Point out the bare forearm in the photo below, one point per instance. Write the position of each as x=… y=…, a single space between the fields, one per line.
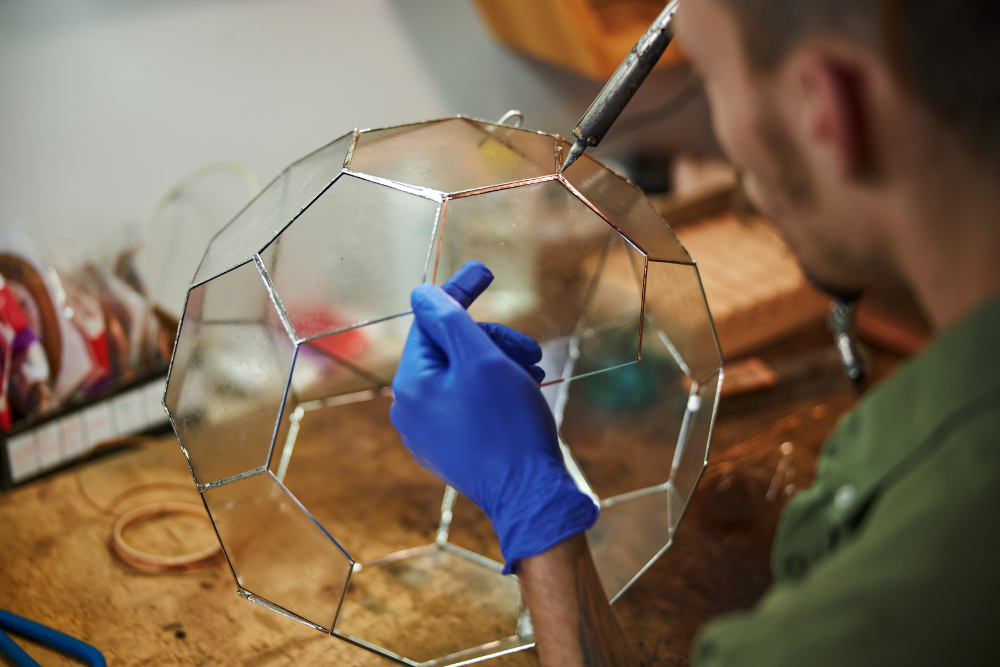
x=573 y=622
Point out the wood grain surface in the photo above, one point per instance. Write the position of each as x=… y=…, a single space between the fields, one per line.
x=56 y=566
x=753 y=284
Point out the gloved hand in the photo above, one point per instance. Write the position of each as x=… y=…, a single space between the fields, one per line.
x=469 y=410
x=523 y=349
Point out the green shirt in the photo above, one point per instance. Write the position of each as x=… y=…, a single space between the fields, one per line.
x=893 y=556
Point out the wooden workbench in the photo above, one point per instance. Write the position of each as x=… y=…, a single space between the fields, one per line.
x=56 y=566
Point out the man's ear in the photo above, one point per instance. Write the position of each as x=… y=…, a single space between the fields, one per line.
x=834 y=124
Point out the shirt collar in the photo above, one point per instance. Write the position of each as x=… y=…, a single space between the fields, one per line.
x=902 y=415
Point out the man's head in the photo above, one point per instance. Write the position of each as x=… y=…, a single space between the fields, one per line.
x=844 y=113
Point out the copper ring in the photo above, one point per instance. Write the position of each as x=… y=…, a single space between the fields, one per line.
x=151 y=561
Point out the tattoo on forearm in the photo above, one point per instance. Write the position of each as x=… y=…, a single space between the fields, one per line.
x=573 y=622
x=602 y=643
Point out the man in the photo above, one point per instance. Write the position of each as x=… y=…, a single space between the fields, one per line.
x=869 y=132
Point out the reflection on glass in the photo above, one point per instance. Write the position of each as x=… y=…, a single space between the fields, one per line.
x=454 y=155
x=626 y=208
x=228 y=376
x=334 y=267
x=273 y=208
x=548 y=252
x=350 y=361
x=278 y=552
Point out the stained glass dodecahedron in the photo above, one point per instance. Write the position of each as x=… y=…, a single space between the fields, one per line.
x=293 y=327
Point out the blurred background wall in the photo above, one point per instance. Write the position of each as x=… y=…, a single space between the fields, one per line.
x=106 y=103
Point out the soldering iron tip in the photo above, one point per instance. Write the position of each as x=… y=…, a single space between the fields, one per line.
x=574 y=152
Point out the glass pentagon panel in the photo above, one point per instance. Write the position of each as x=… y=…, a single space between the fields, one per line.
x=609 y=327
x=676 y=302
x=622 y=425
x=350 y=468
x=626 y=207
x=545 y=249
x=228 y=375
x=272 y=209
x=318 y=380
x=339 y=369
x=277 y=551
x=430 y=604
x=352 y=257
x=633 y=530
x=354 y=360
x=454 y=155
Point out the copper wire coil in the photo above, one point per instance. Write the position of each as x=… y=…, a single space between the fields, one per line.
x=153 y=562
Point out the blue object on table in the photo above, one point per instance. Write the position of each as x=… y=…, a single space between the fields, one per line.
x=45 y=635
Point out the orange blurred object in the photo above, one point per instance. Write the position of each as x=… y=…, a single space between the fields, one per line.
x=590 y=37
x=344 y=346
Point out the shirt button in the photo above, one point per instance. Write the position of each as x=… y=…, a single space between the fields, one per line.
x=845 y=496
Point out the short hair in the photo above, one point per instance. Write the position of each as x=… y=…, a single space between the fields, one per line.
x=948 y=51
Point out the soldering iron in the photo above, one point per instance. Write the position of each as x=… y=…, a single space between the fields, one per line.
x=622 y=85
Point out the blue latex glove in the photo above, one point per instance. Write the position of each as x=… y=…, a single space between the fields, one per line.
x=523 y=349
x=470 y=411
